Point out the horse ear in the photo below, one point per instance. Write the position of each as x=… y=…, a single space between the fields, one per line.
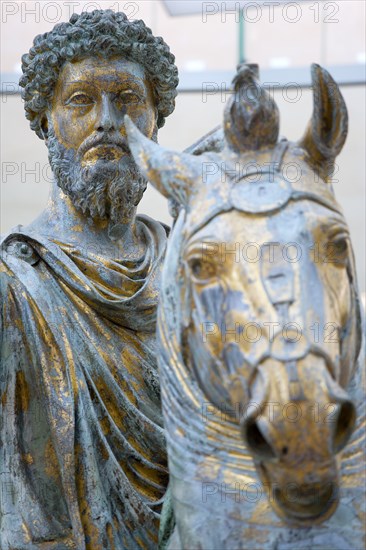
x=251 y=117
x=172 y=174
x=327 y=130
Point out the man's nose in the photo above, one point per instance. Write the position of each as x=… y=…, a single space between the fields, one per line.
x=107 y=119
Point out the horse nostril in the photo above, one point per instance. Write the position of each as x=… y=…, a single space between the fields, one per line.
x=344 y=425
x=256 y=441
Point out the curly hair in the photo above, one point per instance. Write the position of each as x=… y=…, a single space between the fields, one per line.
x=103 y=33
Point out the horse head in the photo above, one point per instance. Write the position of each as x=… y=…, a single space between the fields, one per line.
x=266 y=307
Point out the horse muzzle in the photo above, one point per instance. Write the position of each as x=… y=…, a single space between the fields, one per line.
x=305 y=504
x=299 y=421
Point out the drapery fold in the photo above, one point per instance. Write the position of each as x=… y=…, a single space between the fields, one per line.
x=83 y=450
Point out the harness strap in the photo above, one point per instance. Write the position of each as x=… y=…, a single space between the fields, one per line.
x=278 y=154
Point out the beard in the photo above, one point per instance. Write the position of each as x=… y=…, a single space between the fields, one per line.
x=105 y=190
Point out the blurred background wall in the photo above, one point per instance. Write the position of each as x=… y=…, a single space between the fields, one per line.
x=284 y=38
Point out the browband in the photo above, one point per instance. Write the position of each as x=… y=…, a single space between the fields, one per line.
x=270 y=191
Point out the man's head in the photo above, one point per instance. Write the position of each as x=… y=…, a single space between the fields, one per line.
x=79 y=81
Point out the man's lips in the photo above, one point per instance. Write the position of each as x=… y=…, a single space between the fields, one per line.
x=104 y=151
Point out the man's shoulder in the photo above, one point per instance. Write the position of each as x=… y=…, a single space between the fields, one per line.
x=27 y=283
x=154 y=224
x=166 y=228
x=17 y=245
x=18 y=258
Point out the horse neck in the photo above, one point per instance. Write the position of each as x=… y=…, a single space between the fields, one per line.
x=196 y=429
x=353 y=456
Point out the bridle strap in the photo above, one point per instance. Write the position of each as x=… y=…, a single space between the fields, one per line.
x=278 y=154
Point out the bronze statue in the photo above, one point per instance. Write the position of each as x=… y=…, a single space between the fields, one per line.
x=265 y=418
x=83 y=458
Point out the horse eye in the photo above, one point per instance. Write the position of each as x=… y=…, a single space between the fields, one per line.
x=201 y=269
x=337 y=251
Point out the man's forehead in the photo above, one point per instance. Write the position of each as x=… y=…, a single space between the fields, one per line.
x=101 y=69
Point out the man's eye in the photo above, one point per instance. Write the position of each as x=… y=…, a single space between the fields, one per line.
x=127 y=98
x=202 y=270
x=80 y=99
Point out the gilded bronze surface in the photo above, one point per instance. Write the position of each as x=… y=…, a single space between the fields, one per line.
x=83 y=453
x=265 y=417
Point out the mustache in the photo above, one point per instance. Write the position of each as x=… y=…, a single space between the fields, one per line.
x=103 y=139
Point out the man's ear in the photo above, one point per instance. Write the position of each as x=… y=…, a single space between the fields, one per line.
x=44 y=128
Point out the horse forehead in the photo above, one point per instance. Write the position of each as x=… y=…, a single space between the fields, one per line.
x=254 y=184
x=301 y=220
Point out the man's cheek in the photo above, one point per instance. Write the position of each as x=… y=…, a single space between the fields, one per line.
x=73 y=127
x=146 y=123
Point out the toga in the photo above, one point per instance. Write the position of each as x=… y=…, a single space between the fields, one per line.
x=82 y=457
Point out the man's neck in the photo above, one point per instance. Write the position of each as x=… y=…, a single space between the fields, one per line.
x=61 y=221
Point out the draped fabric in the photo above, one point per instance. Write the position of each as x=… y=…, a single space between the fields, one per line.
x=83 y=460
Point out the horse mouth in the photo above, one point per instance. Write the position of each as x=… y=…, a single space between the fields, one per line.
x=301 y=504
x=306 y=504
